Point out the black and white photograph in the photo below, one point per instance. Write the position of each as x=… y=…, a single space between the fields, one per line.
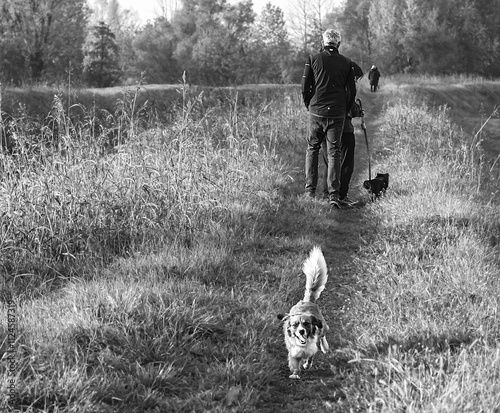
x=250 y=206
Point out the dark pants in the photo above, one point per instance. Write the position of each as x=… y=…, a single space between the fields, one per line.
x=329 y=130
x=347 y=145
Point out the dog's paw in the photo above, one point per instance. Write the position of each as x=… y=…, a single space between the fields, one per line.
x=307 y=363
x=295 y=376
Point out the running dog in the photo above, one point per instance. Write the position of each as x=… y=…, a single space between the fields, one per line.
x=304 y=326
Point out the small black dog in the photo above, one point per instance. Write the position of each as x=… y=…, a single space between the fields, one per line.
x=378 y=185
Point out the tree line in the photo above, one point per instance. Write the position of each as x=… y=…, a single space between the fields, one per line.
x=217 y=42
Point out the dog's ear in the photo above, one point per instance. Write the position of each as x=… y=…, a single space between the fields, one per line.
x=316 y=322
x=283 y=317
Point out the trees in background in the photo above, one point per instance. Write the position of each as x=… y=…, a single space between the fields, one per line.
x=425 y=36
x=269 y=49
x=220 y=42
x=307 y=18
x=154 y=46
x=100 y=64
x=212 y=38
x=40 y=37
x=167 y=8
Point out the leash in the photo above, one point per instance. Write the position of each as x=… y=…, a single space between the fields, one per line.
x=363 y=126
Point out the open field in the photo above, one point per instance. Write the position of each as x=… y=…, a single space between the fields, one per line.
x=145 y=273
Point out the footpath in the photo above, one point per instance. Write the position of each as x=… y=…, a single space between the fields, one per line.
x=339 y=233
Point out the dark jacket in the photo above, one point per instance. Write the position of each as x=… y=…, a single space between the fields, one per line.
x=328 y=86
x=374 y=75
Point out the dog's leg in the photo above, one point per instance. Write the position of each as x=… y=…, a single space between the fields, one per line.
x=294 y=364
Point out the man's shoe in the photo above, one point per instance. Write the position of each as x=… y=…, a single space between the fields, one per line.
x=347 y=202
x=334 y=201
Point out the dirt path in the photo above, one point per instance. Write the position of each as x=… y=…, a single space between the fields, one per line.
x=340 y=233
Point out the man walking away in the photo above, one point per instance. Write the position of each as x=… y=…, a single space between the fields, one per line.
x=373 y=77
x=347 y=146
x=328 y=91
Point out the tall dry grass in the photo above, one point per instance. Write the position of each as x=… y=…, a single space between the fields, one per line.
x=71 y=198
x=146 y=275
x=120 y=259
x=424 y=312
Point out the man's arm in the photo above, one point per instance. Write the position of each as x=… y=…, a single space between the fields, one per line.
x=307 y=83
x=351 y=89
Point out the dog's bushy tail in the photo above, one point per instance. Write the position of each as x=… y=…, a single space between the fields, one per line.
x=314 y=268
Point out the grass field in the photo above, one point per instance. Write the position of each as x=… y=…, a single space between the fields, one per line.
x=145 y=273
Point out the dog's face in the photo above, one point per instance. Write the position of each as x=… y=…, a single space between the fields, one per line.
x=300 y=329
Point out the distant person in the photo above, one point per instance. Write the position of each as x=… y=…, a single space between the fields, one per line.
x=328 y=91
x=347 y=145
x=373 y=77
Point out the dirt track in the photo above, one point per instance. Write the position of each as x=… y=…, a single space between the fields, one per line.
x=339 y=232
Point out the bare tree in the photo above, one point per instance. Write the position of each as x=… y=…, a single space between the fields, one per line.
x=306 y=21
x=167 y=8
x=100 y=10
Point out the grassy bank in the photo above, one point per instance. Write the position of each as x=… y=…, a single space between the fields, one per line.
x=148 y=277
x=424 y=317
x=122 y=264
